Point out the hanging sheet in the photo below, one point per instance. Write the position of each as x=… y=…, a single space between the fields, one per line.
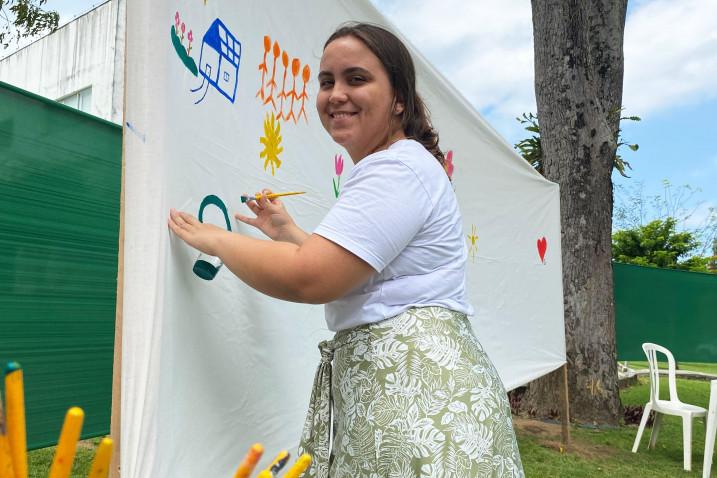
x=220 y=101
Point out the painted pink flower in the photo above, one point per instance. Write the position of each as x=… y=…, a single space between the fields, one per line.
x=183 y=28
x=176 y=19
x=338 y=164
x=190 y=36
x=449 y=164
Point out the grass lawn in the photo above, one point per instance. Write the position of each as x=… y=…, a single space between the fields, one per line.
x=39 y=461
x=594 y=452
x=607 y=452
x=693 y=367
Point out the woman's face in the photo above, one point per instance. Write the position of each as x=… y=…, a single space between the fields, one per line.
x=355 y=100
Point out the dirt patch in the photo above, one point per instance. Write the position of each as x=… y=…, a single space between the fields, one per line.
x=88 y=444
x=548 y=436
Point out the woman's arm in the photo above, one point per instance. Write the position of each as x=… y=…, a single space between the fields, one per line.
x=316 y=272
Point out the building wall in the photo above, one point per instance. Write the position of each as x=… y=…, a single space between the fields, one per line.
x=80 y=54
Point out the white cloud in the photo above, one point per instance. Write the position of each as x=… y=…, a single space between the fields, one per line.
x=485 y=48
x=700 y=215
x=670 y=54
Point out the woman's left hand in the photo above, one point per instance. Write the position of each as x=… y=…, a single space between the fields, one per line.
x=203 y=237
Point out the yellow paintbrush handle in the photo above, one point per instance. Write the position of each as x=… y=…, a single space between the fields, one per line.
x=66 y=447
x=278 y=195
x=101 y=464
x=6 y=469
x=299 y=467
x=250 y=461
x=15 y=405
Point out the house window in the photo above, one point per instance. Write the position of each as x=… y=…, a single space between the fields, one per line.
x=82 y=100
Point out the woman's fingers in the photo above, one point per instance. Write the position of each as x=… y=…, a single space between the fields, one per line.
x=245 y=219
x=264 y=200
x=196 y=234
x=175 y=220
x=179 y=225
x=182 y=223
x=188 y=218
x=254 y=207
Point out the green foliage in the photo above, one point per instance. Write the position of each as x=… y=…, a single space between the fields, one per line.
x=620 y=164
x=696 y=264
x=531 y=148
x=633 y=209
x=657 y=244
x=25 y=18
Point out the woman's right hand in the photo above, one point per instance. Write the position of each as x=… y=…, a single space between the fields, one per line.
x=273 y=219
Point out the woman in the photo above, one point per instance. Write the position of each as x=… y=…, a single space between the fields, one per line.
x=413 y=393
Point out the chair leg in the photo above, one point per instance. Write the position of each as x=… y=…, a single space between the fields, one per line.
x=687 y=439
x=709 y=446
x=641 y=428
x=655 y=430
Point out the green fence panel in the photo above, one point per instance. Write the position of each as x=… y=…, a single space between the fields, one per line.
x=59 y=222
x=676 y=309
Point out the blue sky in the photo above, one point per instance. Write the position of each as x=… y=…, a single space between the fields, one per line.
x=485 y=49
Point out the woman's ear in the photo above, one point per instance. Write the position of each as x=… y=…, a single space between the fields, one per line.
x=398 y=108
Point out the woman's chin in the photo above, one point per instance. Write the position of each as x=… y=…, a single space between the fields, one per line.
x=340 y=138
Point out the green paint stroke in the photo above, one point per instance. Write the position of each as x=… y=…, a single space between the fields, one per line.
x=182 y=52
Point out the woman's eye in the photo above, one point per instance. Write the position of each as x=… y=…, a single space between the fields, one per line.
x=357 y=79
x=325 y=83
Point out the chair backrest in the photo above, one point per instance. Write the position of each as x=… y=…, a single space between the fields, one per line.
x=651 y=351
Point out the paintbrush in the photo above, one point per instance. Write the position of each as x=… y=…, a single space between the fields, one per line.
x=256 y=197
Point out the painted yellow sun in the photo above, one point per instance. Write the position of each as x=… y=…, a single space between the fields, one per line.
x=271 y=141
x=473 y=247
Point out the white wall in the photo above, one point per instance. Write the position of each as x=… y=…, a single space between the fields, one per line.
x=80 y=54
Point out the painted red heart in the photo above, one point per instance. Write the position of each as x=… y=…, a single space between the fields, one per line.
x=542 y=247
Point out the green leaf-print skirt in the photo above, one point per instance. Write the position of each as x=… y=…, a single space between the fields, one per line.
x=413 y=396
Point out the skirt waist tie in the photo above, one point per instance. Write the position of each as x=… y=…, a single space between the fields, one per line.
x=316 y=436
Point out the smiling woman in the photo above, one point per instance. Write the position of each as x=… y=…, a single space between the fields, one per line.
x=410 y=389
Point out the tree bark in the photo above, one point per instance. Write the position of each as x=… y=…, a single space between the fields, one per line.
x=578 y=85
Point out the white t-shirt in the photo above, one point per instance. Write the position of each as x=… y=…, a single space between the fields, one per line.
x=398 y=212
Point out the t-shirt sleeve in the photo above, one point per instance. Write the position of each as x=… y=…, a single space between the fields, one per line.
x=380 y=210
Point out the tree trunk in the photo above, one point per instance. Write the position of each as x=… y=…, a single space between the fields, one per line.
x=578 y=86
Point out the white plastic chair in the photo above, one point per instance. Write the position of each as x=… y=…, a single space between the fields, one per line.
x=673 y=406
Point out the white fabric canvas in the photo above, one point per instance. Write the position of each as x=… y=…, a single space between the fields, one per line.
x=210 y=367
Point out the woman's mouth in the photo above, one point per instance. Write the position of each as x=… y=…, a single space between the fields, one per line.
x=342 y=114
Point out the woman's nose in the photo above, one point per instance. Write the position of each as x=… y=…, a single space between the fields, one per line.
x=338 y=94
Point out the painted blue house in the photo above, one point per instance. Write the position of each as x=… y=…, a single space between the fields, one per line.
x=219 y=59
